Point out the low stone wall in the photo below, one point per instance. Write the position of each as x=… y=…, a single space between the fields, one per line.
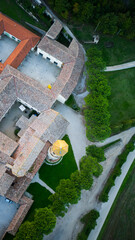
x=20 y=215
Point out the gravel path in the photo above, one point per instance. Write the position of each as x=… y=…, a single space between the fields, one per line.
x=76 y=130
x=120 y=67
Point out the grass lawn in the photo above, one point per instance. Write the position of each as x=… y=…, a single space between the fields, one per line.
x=11 y=9
x=51 y=175
x=122 y=99
x=40 y=197
x=122 y=50
x=120 y=221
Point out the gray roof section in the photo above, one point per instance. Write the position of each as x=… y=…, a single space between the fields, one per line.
x=54 y=30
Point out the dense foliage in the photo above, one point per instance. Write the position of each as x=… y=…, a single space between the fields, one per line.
x=69 y=190
x=117 y=170
x=89 y=221
x=96 y=111
x=111 y=17
x=44 y=222
x=96 y=152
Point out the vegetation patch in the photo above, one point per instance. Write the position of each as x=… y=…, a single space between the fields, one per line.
x=17 y=13
x=89 y=221
x=121 y=215
x=116 y=170
x=96 y=112
x=121 y=100
x=40 y=197
x=51 y=175
x=72 y=103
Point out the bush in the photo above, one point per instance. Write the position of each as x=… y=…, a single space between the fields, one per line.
x=96 y=152
x=89 y=221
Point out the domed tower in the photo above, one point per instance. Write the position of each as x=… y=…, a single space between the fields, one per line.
x=57 y=151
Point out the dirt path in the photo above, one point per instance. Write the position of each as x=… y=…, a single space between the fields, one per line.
x=120 y=67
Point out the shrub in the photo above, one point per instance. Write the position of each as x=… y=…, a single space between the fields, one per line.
x=89 y=221
x=96 y=152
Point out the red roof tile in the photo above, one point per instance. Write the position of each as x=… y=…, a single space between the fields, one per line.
x=28 y=41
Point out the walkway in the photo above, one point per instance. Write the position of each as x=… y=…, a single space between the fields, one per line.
x=104 y=208
x=120 y=67
x=43 y=184
x=75 y=130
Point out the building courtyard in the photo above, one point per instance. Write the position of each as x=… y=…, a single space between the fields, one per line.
x=7 y=46
x=40 y=69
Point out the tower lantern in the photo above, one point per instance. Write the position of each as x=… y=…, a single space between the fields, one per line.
x=57 y=151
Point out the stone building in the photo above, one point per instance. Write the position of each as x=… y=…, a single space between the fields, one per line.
x=21 y=159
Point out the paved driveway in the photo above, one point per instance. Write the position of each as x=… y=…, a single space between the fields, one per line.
x=7 y=212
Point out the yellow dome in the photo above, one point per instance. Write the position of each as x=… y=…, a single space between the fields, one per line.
x=60 y=148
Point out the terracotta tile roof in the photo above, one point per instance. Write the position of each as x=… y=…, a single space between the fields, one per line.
x=4 y=158
x=55 y=49
x=1 y=27
x=5 y=180
x=7 y=145
x=48 y=126
x=15 y=84
x=73 y=63
x=7 y=95
x=54 y=30
x=27 y=38
x=16 y=29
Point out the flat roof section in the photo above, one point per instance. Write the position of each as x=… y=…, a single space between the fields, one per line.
x=40 y=69
x=7 y=46
x=8 y=123
x=7 y=212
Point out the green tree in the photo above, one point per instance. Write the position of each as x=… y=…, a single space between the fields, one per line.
x=44 y=220
x=89 y=165
x=96 y=152
x=67 y=191
x=61 y=6
x=109 y=24
x=87 y=11
x=28 y=231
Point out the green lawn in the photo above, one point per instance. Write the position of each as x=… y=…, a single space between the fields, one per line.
x=11 y=9
x=123 y=50
x=40 y=197
x=51 y=175
x=120 y=221
x=122 y=99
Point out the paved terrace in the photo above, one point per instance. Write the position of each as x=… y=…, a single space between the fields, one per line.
x=7 y=46
x=40 y=69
